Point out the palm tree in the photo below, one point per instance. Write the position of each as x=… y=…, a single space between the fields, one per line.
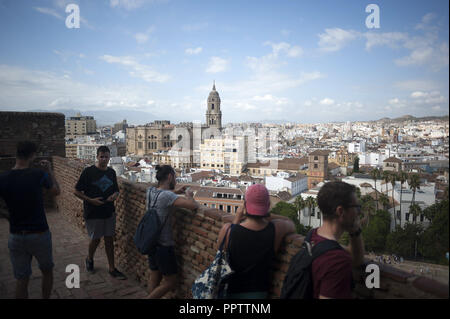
x=386 y=178
x=314 y=205
x=367 y=206
x=310 y=204
x=384 y=200
x=375 y=174
x=393 y=179
x=415 y=211
x=402 y=177
x=300 y=205
x=358 y=193
x=414 y=185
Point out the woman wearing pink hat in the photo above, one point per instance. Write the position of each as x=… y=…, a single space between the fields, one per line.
x=253 y=244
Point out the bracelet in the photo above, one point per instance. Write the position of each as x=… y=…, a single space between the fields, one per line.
x=356 y=233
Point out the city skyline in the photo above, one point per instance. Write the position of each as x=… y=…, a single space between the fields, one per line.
x=283 y=61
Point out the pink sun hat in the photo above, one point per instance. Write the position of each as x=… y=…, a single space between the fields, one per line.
x=257 y=201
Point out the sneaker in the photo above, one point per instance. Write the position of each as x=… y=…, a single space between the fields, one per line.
x=117 y=274
x=89 y=265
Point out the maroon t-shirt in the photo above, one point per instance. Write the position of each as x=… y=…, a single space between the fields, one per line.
x=332 y=272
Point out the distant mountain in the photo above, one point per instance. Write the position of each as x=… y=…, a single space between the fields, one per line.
x=412 y=118
x=109 y=117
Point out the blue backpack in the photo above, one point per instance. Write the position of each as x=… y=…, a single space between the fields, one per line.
x=148 y=230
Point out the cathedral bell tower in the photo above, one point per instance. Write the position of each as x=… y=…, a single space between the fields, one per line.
x=213 y=113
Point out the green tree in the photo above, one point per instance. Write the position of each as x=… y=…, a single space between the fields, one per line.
x=285 y=209
x=403 y=241
x=376 y=231
x=310 y=203
x=356 y=165
x=386 y=178
x=358 y=193
x=415 y=211
x=290 y=211
x=434 y=242
x=299 y=204
x=393 y=180
x=368 y=207
x=402 y=177
x=414 y=185
x=384 y=201
x=375 y=174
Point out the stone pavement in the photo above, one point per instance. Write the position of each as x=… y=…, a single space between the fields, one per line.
x=70 y=246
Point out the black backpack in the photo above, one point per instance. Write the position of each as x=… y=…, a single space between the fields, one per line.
x=148 y=230
x=298 y=282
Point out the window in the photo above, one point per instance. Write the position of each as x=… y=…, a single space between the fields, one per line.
x=221 y=207
x=139 y=144
x=316 y=158
x=316 y=166
x=407 y=216
x=212 y=106
x=228 y=209
x=213 y=205
x=421 y=217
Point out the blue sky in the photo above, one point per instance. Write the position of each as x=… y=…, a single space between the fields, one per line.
x=299 y=61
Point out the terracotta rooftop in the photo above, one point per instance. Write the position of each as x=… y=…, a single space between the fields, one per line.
x=320 y=153
x=392 y=160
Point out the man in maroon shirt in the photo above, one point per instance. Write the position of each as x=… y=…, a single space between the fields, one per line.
x=332 y=271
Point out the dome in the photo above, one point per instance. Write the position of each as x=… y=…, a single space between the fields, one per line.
x=214 y=93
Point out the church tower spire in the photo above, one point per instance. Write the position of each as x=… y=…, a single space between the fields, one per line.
x=213 y=112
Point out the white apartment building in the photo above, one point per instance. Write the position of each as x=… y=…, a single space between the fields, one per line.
x=425 y=197
x=228 y=155
x=80 y=125
x=357 y=147
x=294 y=184
x=89 y=151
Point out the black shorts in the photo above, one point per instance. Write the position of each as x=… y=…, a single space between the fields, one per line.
x=164 y=260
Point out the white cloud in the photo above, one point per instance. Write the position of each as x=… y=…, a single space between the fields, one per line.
x=50 y=12
x=436 y=108
x=216 y=65
x=391 y=39
x=327 y=101
x=417 y=85
x=191 y=51
x=335 y=39
x=142 y=37
x=136 y=69
x=417 y=57
x=194 y=26
x=425 y=22
x=418 y=94
x=50 y=90
x=290 y=51
x=131 y=4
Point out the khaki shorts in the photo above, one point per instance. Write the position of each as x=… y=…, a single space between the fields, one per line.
x=98 y=228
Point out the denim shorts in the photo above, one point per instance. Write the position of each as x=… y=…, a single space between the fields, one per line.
x=22 y=248
x=164 y=260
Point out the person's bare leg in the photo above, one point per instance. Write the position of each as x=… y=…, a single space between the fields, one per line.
x=109 y=249
x=168 y=283
x=154 y=280
x=93 y=244
x=22 y=288
x=47 y=283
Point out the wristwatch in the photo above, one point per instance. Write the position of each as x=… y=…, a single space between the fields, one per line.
x=356 y=233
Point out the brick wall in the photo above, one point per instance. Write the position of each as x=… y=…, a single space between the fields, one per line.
x=196 y=234
x=47 y=130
